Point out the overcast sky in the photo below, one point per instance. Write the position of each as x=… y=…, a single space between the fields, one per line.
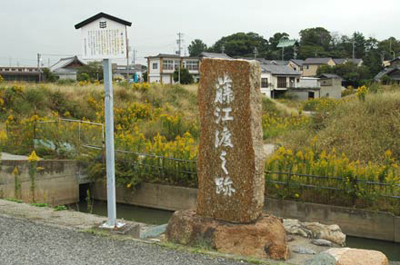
x=29 y=27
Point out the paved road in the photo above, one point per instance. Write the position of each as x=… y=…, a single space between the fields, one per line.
x=25 y=242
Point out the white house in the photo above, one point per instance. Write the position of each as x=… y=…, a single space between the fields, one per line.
x=160 y=68
x=276 y=79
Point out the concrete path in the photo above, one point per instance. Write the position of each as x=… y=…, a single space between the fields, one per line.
x=41 y=235
x=26 y=242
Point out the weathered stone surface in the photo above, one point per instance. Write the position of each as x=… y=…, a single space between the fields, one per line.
x=322 y=242
x=231 y=156
x=352 y=256
x=332 y=233
x=303 y=250
x=322 y=259
x=265 y=238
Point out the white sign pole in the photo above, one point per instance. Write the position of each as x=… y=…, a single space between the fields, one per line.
x=110 y=155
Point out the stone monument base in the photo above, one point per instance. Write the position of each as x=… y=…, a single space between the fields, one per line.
x=265 y=238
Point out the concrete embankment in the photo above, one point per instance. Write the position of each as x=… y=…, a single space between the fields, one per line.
x=354 y=222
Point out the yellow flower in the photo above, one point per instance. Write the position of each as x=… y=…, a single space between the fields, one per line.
x=15 y=172
x=33 y=157
x=39 y=168
x=128 y=185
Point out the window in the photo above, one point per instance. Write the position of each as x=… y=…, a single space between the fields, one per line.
x=311 y=95
x=281 y=82
x=155 y=66
x=307 y=67
x=192 y=65
x=168 y=65
x=264 y=82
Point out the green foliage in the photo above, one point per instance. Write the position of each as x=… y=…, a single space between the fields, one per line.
x=196 y=47
x=37 y=204
x=49 y=76
x=91 y=72
x=353 y=74
x=60 y=208
x=241 y=44
x=13 y=200
x=1 y=79
x=186 y=77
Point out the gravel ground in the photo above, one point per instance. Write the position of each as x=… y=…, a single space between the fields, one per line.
x=26 y=242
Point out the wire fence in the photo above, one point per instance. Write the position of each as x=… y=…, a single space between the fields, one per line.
x=81 y=136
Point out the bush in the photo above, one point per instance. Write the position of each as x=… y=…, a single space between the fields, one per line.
x=186 y=77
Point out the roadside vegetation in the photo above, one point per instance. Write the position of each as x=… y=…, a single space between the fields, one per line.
x=349 y=144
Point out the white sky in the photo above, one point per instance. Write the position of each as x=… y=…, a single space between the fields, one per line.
x=29 y=27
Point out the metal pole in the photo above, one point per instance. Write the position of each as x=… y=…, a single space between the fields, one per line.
x=110 y=159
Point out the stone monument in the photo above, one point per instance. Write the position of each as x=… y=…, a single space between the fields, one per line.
x=230 y=170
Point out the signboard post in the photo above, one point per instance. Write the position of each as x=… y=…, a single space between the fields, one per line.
x=105 y=37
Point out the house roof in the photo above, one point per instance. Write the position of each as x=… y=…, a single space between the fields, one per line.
x=345 y=60
x=64 y=62
x=164 y=55
x=317 y=60
x=100 y=15
x=278 y=69
x=387 y=71
x=297 y=62
x=214 y=55
x=329 y=76
x=273 y=62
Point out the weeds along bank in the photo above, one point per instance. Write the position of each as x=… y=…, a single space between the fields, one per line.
x=157 y=127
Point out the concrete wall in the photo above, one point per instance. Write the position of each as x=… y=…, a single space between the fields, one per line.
x=354 y=222
x=151 y=195
x=56 y=184
x=331 y=91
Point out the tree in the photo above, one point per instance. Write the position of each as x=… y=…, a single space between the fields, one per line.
x=350 y=72
x=186 y=77
x=93 y=69
x=48 y=75
x=241 y=45
x=196 y=47
x=316 y=36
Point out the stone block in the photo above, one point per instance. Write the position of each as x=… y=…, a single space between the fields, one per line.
x=231 y=156
x=265 y=238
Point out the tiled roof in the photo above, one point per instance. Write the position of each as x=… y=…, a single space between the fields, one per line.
x=297 y=61
x=317 y=60
x=214 y=55
x=278 y=69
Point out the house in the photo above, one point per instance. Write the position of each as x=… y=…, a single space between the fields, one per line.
x=296 y=65
x=311 y=65
x=67 y=68
x=160 y=68
x=323 y=86
x=390 y=74
x=28 y=74
x=356 y=61
x=276 y=79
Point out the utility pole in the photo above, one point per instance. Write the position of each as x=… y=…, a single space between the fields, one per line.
x=179 y=42
x=134 y=57
x=39 y=58
x=223 y=48
x=354 y=49
x=255 y=52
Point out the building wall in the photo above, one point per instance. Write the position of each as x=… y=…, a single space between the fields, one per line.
x=303 y=94
x=154 y=74
x=56 y=184
x=310 y=70
x=307 y=82
x=331 y=92
x=295 y=67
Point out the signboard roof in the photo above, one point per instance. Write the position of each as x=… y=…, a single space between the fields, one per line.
x=102 y=15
